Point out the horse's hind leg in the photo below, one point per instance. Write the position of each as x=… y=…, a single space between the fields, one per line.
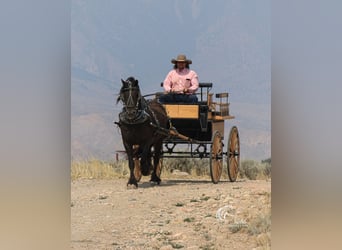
x=132 y=180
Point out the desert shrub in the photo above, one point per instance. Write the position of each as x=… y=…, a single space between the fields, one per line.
x=267 y=169
x=94 y=168
x=192 y=166
x=268 y=160
x=248 y=169
x=254 y=170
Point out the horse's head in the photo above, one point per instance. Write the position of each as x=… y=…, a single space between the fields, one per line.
x=130 y=96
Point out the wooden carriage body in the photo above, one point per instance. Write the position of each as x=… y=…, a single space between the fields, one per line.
x=201 y=128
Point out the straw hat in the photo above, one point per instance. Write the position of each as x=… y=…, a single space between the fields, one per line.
x=181 y=58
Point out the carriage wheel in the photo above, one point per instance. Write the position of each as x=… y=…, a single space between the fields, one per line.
x=216 y=157
x=137 y=169
x=233 y=159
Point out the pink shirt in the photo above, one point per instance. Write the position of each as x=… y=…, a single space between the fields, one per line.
x=177 y=81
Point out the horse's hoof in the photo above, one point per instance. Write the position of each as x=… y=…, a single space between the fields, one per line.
x=131 y=186
x=153 y=183
x=132 y=183
x=155 y=180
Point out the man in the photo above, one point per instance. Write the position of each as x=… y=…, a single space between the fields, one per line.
x=180 y=83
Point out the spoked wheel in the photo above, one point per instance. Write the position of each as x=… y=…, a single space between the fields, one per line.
x=137 y=168
x=216 y=157
x=233 y=154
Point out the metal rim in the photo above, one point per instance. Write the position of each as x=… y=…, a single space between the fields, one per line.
x=233 y=154
x=216 y=157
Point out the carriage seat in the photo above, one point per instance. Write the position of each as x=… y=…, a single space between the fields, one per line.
x=197 y=111
x=189 y=111
x=182 y=111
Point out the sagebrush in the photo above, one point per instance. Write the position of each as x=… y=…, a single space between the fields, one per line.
x=93 y=168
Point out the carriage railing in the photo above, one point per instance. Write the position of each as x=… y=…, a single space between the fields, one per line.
x=204 y=88
x=220 y=106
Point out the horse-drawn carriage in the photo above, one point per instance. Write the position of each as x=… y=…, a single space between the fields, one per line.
x=194 y=130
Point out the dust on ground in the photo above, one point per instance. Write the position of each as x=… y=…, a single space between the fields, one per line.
x=179 y=213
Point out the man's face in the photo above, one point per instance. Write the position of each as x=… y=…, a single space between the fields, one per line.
x=181 y=65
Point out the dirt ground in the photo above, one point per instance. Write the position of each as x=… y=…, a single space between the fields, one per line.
x=180 y=213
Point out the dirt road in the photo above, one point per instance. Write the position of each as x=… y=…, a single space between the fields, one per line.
x=181 y=213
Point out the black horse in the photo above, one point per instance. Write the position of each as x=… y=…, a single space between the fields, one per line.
x=139 y=122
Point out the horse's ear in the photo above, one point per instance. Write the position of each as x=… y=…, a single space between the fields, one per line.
x=123 y=82
x=136 y=81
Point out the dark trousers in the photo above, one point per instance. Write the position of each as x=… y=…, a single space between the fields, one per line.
x=174 y=98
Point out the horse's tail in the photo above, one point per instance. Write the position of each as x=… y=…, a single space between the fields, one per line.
x=146 y=166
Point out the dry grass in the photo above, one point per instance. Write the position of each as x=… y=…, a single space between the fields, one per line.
x=260 y=227
x=96 y=169
x=256 y=224
x=260 y=224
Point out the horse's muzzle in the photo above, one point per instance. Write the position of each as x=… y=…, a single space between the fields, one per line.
x=131 y=113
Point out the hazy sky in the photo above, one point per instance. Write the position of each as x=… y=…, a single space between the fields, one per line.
x=228 y=42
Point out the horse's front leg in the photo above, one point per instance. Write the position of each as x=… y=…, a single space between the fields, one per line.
x=136 y=156
x=155 y=176
x=132 y=180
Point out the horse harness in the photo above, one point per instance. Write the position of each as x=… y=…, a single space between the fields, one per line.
x=142 y=115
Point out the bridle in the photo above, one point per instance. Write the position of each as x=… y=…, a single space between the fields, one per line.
x=130 y=103
x=135 y=113
x=131 y=113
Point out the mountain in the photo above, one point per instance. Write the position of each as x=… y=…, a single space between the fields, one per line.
x=228 y=42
